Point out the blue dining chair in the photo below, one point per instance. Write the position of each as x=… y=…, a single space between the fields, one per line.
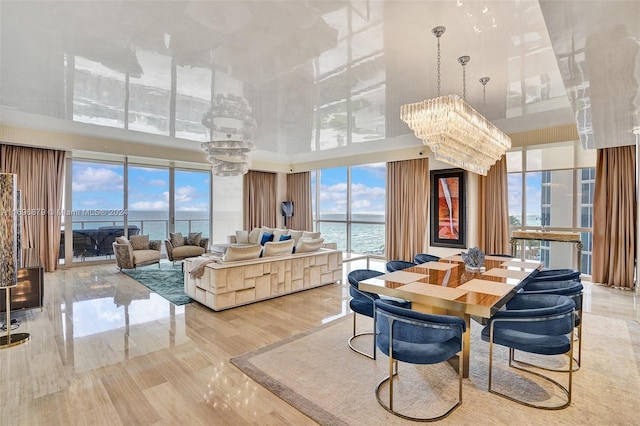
x=558 y=275
x=538 y=324
x=424 y=258
x=398 y=265
x=417 y=338
x=362 y=302
x=572 y=289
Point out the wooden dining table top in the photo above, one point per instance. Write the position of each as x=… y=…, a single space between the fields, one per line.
x=448 y=285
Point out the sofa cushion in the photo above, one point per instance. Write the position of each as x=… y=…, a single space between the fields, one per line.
x=187 y=251
x=278 y=248
x=267 y=229
x=306 y=245
x=277 y=233
x=144 y=256
x=140 y=242
x=296 y=235
x=176 y=239
x=266 y=237
x=194 y=238
x=242 y=237
x=311 y=235
x=249 y=252
x=255 y=236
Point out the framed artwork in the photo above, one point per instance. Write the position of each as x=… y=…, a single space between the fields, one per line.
x=448 y=208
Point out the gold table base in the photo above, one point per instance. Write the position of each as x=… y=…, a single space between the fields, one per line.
x=14 y=339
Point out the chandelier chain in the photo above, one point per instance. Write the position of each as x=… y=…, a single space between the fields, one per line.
x=438 y=66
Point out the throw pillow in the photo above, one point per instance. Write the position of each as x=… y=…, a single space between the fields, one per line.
x=122 y=240
x=277 y=248
x=194 y=238
x=235 y=253
x=312 y=235
x=308 y=245
x=176 y=239
x=140 y=242
x=285 y=238
x=266 y=237
x=242 y=237
x=296 y=235
x=254 y=236
x=267 y=229
x=277 y=233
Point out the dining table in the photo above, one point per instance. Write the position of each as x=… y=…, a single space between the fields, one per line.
x=448 y=287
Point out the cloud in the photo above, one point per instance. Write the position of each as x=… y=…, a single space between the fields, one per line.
x=95 y=179
x=157 y=182
x=149 y=205
x=185 y=194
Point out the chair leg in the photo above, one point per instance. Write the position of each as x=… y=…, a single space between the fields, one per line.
x=566 y=390
x=366 y=333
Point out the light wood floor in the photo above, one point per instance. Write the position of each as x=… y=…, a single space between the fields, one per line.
x=105 y=350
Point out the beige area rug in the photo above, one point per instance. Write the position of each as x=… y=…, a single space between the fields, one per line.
x=319 y=375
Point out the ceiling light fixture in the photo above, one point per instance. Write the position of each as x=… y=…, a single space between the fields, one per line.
x=231 y=116
x=456 y=133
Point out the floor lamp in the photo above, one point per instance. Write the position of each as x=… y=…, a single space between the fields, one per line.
x=9 y=252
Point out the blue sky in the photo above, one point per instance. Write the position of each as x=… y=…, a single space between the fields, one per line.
x=367 y=192
x=99 y=185
x=533 y=193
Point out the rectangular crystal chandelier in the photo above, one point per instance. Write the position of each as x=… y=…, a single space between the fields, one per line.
x=456 y=133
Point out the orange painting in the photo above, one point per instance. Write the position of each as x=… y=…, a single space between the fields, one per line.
x=449 y=208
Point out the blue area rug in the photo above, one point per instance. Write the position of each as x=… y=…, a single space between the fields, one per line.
x=167 y=281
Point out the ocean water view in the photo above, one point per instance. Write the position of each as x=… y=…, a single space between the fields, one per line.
x=365 y=237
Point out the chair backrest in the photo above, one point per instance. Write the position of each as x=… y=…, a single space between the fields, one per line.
x=424 y=258
x=398 y=265
x=543 y=314
x=409 y=326
x=558 y=275
x=357 y=275
x=570 y=288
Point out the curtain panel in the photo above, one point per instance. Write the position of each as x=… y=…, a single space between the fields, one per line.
x=299 y=191
x=259 y=199
x=407 y=208
x=40 y=179
x=493 y=209
x=614 y=217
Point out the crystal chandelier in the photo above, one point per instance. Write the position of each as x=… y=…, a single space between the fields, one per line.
x=456 y=133
x=231 y=116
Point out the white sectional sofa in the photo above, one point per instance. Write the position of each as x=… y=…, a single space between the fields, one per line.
x=228 y=283
x=261 y=236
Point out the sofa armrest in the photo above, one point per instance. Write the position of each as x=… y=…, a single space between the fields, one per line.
x=231 y=239
x=124 y=256
x=154 y=245
x=169 y=247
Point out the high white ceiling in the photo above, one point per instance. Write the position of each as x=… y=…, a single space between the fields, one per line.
x=323 y=78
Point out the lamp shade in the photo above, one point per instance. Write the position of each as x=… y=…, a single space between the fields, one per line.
x=8 y=231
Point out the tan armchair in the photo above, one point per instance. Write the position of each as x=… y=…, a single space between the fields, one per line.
x=179 y=247
x=137 y=252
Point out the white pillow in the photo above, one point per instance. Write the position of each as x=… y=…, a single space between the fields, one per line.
x=242 y=237
x=267 y=229
x=277 y=232
x=307 y=245
x=296 y=235
x=235 y=253
x=311 y=235
x=278 y=248
x=255 y=235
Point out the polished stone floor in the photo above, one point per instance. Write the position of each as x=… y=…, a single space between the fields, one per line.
x=106 y=350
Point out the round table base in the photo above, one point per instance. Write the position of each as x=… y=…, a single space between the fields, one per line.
x=14 y=339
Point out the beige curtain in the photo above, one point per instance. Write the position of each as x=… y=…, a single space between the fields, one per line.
x=40 y=177
x=299 y=191
x=407 y=208
x=614 y=217
x=259 y=200
x=493 y=209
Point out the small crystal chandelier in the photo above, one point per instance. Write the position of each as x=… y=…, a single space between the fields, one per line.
x=230 y=115
x=456 y=133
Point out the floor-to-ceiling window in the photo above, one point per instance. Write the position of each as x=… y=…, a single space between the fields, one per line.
x=349 y=206
x=551 y=188
x=191 y=203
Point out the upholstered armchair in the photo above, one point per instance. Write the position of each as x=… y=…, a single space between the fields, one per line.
x=179 y=247
x=138 y=251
